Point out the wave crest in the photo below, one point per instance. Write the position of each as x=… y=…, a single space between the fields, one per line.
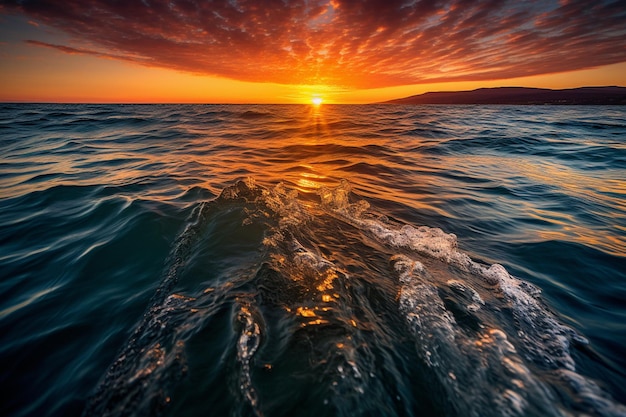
x=318 y=286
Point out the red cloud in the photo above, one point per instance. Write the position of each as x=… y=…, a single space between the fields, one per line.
x=366 y=44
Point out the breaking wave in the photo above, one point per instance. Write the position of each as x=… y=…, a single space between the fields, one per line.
x=271 y=303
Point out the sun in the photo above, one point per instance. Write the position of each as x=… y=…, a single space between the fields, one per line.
x=316 y=101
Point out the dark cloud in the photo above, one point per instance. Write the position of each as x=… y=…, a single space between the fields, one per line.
x=369 y=43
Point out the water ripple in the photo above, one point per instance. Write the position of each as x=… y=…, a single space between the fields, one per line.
x=126 y=232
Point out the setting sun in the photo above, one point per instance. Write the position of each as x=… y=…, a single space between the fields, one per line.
x=317 y=101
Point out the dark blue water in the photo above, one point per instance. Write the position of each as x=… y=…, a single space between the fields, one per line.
x=185 y=260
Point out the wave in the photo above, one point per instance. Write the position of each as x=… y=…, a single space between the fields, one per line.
x=252 y=114
x=307 y=305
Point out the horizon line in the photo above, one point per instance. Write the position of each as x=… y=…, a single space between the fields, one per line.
x=96 y=102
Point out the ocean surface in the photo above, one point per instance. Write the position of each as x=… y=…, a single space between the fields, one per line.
x=188 y=260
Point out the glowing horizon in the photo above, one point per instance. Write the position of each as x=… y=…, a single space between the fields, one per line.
x=257 y=52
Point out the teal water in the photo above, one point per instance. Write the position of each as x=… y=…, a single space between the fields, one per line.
x=184 y=260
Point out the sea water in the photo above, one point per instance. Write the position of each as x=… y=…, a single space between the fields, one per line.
x=185 y=260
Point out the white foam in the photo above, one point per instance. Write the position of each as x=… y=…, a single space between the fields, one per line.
x=466 y=363
x=543 y=339
x=285 y=203
x=467 y=292
x=247 y=344
x=591 y=395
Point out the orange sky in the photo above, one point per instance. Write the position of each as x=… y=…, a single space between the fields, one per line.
x=265 y=52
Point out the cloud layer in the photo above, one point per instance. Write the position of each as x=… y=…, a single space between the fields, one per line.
x=358 y=44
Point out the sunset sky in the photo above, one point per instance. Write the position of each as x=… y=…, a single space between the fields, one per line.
x=282 y=51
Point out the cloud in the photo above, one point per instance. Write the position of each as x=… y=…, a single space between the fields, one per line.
x=359 y=44
x=66 y=49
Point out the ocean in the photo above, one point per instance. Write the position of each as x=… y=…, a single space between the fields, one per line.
x=293 y=260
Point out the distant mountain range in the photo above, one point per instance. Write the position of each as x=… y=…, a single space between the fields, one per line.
x=521 y=95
